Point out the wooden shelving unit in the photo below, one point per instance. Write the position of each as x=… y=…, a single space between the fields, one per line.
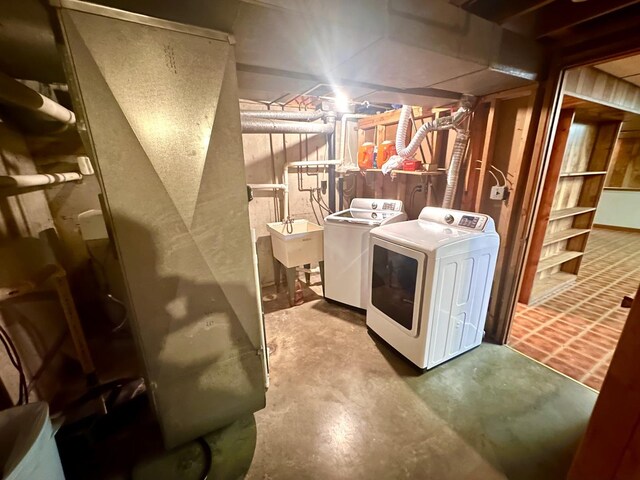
x=577 y=169
x=562 y=235
x=569 y=212
x=556 y=259
x=548 y=285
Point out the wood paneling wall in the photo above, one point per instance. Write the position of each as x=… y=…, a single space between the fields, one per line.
x=625 y=163
x=503 y=133
x=594 y=85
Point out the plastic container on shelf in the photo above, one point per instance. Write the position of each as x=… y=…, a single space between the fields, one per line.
x=385 y=151
x=365 y=155
x=411 y=165
x=28 y=449
x=303 y=245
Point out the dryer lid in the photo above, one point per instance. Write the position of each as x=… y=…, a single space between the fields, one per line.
x=437 y=227
x=421 y=235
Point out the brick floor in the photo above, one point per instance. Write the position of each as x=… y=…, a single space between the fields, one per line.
x=576 y=330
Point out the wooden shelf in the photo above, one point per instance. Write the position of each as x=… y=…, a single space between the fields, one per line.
x=576 y=172
x=550 y=285
x=561 y=235
x=410 y=172
x=569 y=212
x=581 y=174
x=557 y=259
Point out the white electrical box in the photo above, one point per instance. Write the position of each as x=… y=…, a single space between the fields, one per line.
x=498 y=193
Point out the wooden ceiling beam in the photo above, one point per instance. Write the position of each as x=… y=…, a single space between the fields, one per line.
x=559 y=16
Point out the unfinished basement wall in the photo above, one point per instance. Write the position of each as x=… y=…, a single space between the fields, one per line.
x=502 y=137
x=265 y=156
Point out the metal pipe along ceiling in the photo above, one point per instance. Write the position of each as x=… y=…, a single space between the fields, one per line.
x=263 y=125
x=15 y=93
x=306 y=116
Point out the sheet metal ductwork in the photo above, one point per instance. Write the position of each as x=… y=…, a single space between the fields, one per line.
x=396 y=51
x=164 y=134
x=27 y=42
x=382 y=51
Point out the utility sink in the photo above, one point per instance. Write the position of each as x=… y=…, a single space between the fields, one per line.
x=302 y=246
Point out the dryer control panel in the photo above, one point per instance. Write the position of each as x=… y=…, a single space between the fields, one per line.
x=456 y=218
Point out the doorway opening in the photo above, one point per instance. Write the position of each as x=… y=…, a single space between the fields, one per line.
x=584 y=255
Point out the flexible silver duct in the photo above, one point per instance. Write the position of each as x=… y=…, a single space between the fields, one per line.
x=457 y=157
x=442 y=123
x=458 y=121
x=304 y=116
x=263 y=125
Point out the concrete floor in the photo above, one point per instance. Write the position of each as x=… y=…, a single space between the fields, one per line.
x=342 y=404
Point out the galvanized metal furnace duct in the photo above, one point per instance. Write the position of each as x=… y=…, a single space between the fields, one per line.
x=164 y=131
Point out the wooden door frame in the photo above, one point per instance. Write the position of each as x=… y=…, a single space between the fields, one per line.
x=552 y=94
x=549 y=93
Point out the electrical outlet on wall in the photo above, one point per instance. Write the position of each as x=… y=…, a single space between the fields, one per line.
x=498 y=193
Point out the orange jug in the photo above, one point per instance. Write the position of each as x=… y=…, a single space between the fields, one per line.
x=385 y=151
x=365 y=155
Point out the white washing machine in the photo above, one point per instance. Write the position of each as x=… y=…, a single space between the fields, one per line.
x=429 y=283
x=346 y=247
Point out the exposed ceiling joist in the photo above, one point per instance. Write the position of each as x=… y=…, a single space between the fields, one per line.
x=499 y=11
x=561 y=15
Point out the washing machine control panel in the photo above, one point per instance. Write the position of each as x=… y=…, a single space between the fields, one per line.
x=377 y=204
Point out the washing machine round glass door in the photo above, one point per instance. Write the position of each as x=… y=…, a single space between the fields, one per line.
x=397 y=274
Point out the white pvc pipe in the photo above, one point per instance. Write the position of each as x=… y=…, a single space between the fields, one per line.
x=24 y=181
x=285 y=180
x=264 y=351
x=343 y=133
x=15 y=93
x=267 y=186
x=314 y=163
